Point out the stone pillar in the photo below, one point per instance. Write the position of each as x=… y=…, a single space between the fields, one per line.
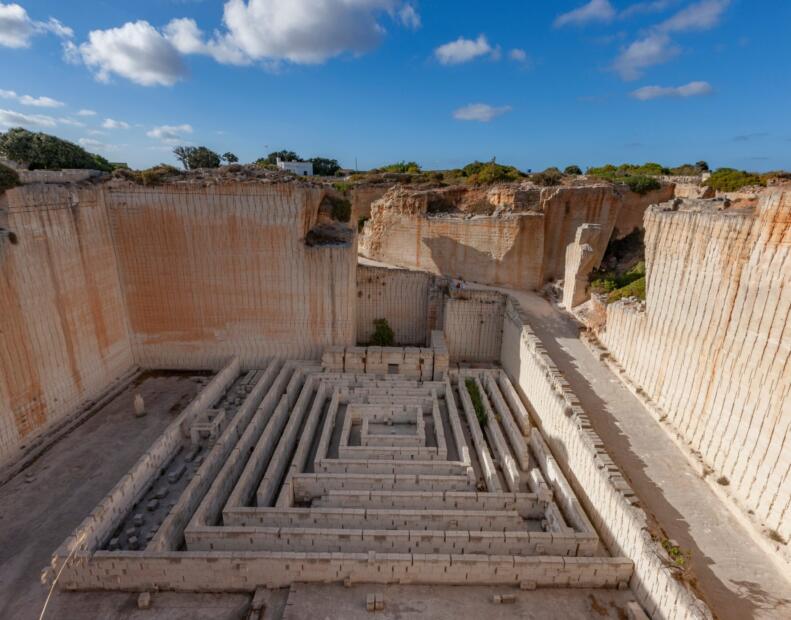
x=580 y=259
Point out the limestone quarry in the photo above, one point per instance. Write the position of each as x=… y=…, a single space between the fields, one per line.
x=196 y=412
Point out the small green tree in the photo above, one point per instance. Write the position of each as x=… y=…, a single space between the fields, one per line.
x=230 y=158
x=281 y=155
x=383 y=334
x=324 y=167
x=194 y=157
x=575 y=170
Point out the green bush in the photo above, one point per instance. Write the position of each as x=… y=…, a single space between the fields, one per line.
x=477 y=401
x=383 y=334
x=8 y=178
x=324 y=167
x=575 y=170
x=403 y=167
x=341 y=209
x=619 y=173
x=272 y=158
x=550 y=177
x=41 y=151
x=479 y=173
x=609 y=282
x=730 y=180
x=642 y=184
x=633 y=289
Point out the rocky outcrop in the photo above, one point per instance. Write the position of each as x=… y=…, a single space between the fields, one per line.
x=580 y=257
x=513 y=235
x=711 y=346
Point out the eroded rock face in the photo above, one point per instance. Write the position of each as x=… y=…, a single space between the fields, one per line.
x=513 y=235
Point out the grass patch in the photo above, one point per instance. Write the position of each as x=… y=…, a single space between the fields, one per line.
x=677 y=554
x=477 y=401
x=633 y=289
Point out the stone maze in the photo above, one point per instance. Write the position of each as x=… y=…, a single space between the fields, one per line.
x=375 y=465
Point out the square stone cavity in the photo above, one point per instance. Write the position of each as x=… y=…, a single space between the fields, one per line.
x=393 y=427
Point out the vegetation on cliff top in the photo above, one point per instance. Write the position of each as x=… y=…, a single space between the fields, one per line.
x=730 y=180
x=8 y=178
x=41 y=151
x=479 y=173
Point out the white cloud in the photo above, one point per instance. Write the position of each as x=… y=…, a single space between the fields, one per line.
x=518 y=55
x=10 y=118
x=38 y=102
x=593 y=11
x=480 y=112
x=136 y=51
x=97 y=146
x=693 y=89
x=304 y=31
x=110 y=123
x=409 y=17
x=86 y=113
x=702 y=15
x=170 y=134
x=187 y=38
x=17 y=28
x=654 y=49
x=641 y=8
x=463 y=50
x=70 y=122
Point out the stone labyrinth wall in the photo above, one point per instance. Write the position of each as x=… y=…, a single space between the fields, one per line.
x=267 y=479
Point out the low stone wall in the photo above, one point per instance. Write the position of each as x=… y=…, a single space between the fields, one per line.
x=606 y=496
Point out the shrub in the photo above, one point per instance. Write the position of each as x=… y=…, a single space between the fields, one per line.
x=194 y=157
x=158 y=174
x=42 y=151
x=610 y=282
x=548 y=178
x=272 y=158
x=620 y=173
x=642 y=184
x=633 y=289
x=324 y=167
x=383 y=334
x=230 y=158
x=341 y=209
x=478 y=173
x=575 y=170
x=477 y=401
x=403 y=167
x=8 y=178
x=730 y=180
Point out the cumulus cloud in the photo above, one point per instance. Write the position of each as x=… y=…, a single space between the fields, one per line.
x=642 y=8
x=654 y=49
x=187 y=38
x=70 y=122
x=656 y=46
x=170 y=134
x=481 y=112
x=86 y=113
x=97 y=146
x=17 y=28
x=10 y=118
x=464 y=50
x=136 y=51
x=110 y=123
x=38 y=102
x=593 y=11
x=693 y=89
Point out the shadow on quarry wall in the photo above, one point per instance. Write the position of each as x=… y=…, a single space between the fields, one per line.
x=725 y=604
x=455 y=259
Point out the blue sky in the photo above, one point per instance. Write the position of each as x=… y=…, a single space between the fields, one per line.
x=533 y=83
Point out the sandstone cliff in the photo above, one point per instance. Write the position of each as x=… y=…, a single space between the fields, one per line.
x=712 y=346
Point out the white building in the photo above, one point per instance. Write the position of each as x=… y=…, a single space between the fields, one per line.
x=301 y=168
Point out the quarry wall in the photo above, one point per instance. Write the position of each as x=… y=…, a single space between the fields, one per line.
x=64 y=331
x=473 y=325
x=225 y=270
x=511 y=236
x=711 y=347
x=606 y=496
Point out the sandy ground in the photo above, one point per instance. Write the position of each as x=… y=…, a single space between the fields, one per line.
x=44 y=503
